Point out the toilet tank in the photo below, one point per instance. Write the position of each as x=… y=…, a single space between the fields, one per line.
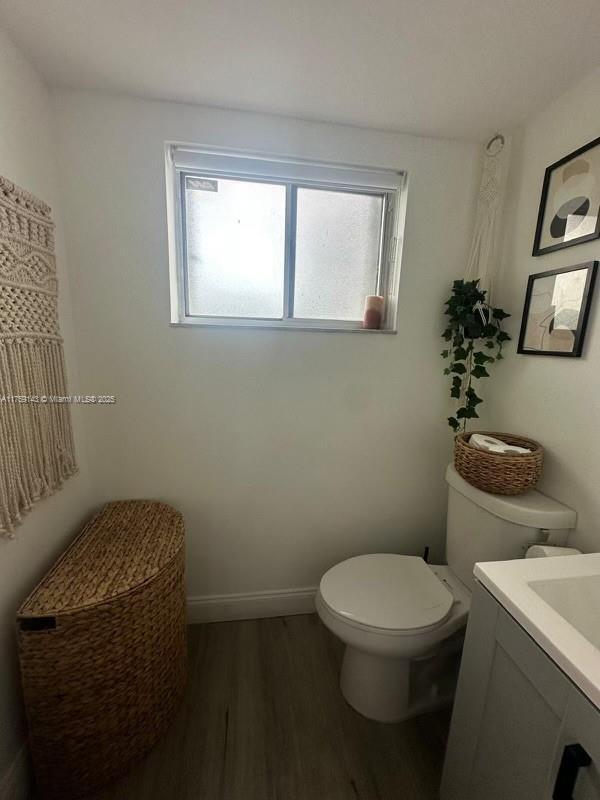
x=491 y=527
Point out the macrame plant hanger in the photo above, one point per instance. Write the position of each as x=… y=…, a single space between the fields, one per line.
x=482 y=263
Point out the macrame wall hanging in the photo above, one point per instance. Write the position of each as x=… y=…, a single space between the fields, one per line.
x=483 y=256
x=36 y=440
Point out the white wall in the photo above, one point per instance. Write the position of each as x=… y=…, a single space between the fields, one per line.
x=285 y=450
x=554 y=400
x=27 y=157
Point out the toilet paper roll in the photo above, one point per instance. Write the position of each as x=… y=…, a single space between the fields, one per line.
x=546 y=550
x=492 y=445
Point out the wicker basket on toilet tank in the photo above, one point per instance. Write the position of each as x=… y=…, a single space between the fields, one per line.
x=102 y=645
x=499 y=473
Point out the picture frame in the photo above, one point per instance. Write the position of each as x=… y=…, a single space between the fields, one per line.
x=569 y=211
x=556 y=311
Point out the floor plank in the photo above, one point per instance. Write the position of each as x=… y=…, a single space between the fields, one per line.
x=263 y=719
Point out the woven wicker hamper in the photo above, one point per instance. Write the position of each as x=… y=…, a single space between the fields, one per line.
x=102 y=645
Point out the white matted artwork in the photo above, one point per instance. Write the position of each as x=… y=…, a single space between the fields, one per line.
x=556 y=311
x=569 y=210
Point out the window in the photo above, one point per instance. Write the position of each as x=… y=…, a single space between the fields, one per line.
x=273 y=243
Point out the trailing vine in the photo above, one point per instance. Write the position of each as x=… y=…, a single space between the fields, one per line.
x=475 y=336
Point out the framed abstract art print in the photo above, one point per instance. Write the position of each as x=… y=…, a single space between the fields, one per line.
x=557 y=307
x=569 y=210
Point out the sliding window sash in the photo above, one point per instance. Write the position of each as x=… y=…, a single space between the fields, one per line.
x=182 y=160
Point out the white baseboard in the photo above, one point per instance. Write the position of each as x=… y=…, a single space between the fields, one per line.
x=251 y=605
x=16 y=782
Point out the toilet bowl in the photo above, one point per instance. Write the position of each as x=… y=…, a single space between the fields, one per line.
x=403 y=620
x=389 y=610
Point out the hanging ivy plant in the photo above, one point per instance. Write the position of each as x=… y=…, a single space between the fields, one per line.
x=475 y=336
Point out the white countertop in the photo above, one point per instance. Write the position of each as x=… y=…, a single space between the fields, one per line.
x=510 y=583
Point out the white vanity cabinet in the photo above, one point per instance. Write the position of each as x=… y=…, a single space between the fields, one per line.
x=582 y=725
x=521 y=730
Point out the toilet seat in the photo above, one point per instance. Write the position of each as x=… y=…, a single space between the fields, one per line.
x=386 y=592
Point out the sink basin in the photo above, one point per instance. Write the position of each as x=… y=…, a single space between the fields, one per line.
x=577 y=600
x=557 y=601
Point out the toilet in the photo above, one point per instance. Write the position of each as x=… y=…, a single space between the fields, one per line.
x=402 y=620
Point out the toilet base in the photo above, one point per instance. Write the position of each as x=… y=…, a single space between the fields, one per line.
x=376 y=687
x=396 y=689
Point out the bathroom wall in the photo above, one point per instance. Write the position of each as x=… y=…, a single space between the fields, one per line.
x=286 y=450
x=27 y=156
x=554 y=400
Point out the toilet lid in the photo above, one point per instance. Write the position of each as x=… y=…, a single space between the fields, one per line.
x=388 y=591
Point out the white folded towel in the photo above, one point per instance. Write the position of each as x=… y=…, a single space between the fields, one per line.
x=492 y=445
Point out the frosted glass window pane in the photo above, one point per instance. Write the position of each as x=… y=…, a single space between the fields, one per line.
x=235 y=247
x=337 y=251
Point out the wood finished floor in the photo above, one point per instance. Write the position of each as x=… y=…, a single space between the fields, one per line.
x=263 y=719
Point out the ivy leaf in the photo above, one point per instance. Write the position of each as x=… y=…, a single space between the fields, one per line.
x=455 y=392
x=502 y=337
x=456 y=381
x=489 y=343
x=447 y=371
x=445 y=353
x=460 y=354
x=447 y=334
x=481 y=358
x=472 y=398
x=489 y=330
x=480 y=372
x=467 y=412
x=460 y=369
x=499 y=314
x=454 y=423
x=499 y=357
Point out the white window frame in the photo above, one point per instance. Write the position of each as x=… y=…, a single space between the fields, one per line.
x=184 y=160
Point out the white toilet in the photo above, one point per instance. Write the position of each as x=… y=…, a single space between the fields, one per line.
x=402 y=620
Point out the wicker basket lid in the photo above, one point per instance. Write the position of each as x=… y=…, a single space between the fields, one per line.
x=123 y=546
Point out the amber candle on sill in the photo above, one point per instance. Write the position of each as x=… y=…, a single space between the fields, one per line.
x=373 y=312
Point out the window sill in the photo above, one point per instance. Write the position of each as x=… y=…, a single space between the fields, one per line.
x=253 y=325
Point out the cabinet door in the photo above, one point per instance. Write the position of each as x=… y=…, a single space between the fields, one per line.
x=521 y=724
x=508 y=728
x=517 y=739
x=576 y=773
x=507 y=718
